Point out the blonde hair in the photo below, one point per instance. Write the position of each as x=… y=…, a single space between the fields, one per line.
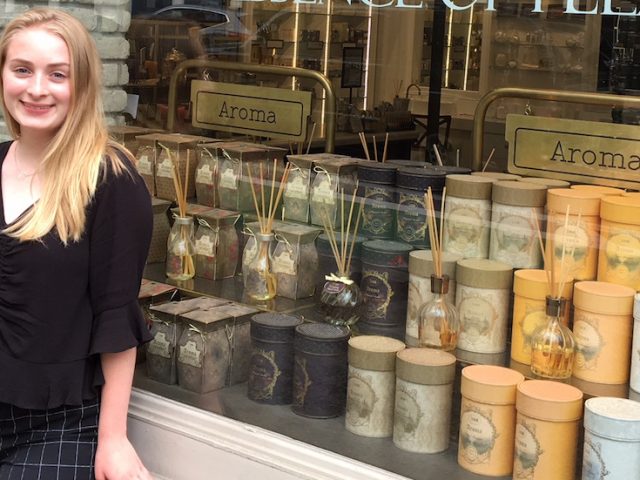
x=75 y=158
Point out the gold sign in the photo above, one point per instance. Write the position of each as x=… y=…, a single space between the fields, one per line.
x=574 y=150
x=262 y=111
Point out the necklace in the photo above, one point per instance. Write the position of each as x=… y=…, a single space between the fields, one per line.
x=21 y=175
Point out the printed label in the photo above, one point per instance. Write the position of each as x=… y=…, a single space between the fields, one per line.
x=408 y=413
x=514 y=238
x=323 y=191
x=301 y=382
x=204 y=174
x=165 y=168
x=589 y=342
x=361 y=400
x=378 y=293
x=412 y=218
x=593 y=465
x=622 y=258
x=477 y=435
x=284 y=262
x=527 y=451
x=297 y=187
x=145 y=167
x=229 y=178
x=378 y=211
x=264 y=374
x=204 y=246
x=576 y=246
x=160 y=346
x=533 y=319
x=190 y=354
x=465 y=231
x=478 y=317
x=419 y=294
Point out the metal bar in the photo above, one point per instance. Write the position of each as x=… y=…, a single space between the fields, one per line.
x=330 y=106
x=533 y=94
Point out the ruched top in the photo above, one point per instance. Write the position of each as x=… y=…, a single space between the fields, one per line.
x=61 y=306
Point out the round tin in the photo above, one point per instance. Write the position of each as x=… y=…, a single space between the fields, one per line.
x=487 y=419
x=409 y=163
x=546 y=436
x=271 y=364
x=634 y=381
x=599 y=189
x=603 y=330
x=371 y=385
x=378 y=207
x=451 y=169
x=385 y=279
x=547 y=182
x=376 y=172
x=420 y=179
x=320 y=370
x=500 y=176
x=424 y=386
x=611 y=439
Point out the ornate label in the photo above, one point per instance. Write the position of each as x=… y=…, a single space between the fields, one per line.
x=165 y=168
x=408 y=412
x=465 y=231
x=229 y=178
x=527 y=451
x=190 y=354
x=322 y=190
x=297 y=186
x=479 y=318
x=412 y=218
x=301 y=382
x=478 y=434
x=575 y=241
x=534 y=317
x=145 y=167
x=593 y=465
x=264 y=374
x=622 y=250
x=378 y=292
x=377 y=213
x=361 y=400
x=419 y=294
x=204 y=246
x=160 y=346
x=284 y=261
x=589 y=342
x=204 y=174
x=513 y=236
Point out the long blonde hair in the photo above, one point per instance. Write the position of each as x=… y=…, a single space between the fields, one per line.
x=76 y=155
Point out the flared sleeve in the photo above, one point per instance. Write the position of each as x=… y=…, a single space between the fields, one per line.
x=119 y=242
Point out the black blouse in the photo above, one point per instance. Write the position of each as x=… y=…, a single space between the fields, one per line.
x=60 y=307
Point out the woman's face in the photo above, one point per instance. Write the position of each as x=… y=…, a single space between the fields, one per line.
x=36 y=81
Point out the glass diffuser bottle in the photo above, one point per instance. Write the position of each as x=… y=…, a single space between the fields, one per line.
x=260 y=281
x=341 y=301
x=553 y=345
x=181 y=249
x=439 y=325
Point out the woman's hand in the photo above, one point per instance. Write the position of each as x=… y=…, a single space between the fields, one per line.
x=117 y=460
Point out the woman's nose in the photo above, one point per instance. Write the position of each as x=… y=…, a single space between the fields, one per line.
x=38 y=85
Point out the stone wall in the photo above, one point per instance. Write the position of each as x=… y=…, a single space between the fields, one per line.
x=108 y=21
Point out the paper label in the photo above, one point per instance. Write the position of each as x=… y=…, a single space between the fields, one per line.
x=229 y=178
x=361 y=400
x=378 y=293
x=160 y=346
x=465 y=227
x=165 y=168
x=284 y=262
x=145 y=167
x=477 y=435
x=412 y=218
x=204 y=175
x=589 y=341
x=190 y=354
x=297 y=187
x=204 y=246
x=513 y=236
x=527 y=451
x=593 y=465
x=264 y=374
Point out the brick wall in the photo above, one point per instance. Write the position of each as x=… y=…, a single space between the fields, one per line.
x=108 y=21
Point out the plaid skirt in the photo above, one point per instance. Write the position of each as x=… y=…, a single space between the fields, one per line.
x=56 y=444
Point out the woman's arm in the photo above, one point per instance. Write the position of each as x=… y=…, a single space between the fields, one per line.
x=115 y=458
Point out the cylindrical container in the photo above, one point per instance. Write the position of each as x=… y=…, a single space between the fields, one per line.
x=413 y=183
x=488 y=419
x=385 y=281
x=467 y=216
x=371 y=385
x=420 y=271
x=599 y=189
x=611 y=439
x=514 y=238
x=530 y=290
x=631 y=194
x=450 y=169
x=320 y=370
x=500 y=176
x=547 y=182
x=547 y=423
x=619 y=260
x=602 y=327
x=424 y=386
x=377 y=188
x=271 y=365
x=634 y=381
x=482 y=299
x=579 y=237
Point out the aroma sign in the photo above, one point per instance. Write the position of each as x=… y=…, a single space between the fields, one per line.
x=269 y=112
x=574 y=150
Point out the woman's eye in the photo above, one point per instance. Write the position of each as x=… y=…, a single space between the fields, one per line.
x=59 y=75
x=21 y=70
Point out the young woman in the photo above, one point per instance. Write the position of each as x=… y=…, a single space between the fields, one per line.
x=75 y=224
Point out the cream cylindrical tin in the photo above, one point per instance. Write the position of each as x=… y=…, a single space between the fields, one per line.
x=482 y=299
x=467 y=216
x=634 y=381
x=546 y=437
x=420 y=271
x=424 y=385
x=547 y=182
x=581 y=235
x=603 y=328
x=514 y=240
x=530 y=289
x=611 y=439
x=498 y=176
x=488 y=419
x=371 y=385
x=619 y=260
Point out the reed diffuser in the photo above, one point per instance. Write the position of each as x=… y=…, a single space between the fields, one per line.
x=439 y=325
x=259 y=280
x=552 y=344
x=181 y=247
x=341 y=300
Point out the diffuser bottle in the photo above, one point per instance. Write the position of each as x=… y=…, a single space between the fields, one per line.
x=181 y=250
x=341 y=301
x=553 y=345
x=260 y=281
x=439 y=325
